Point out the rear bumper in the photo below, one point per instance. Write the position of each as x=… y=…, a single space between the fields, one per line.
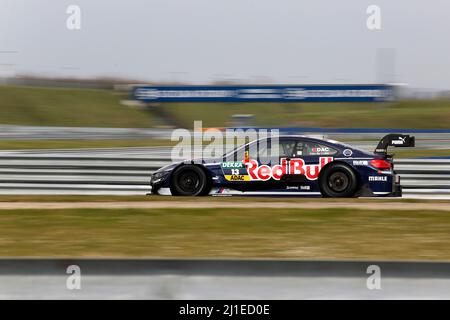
x=396 y=186
x=390 y=189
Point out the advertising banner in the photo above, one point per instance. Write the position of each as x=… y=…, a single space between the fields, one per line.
x=278 y=93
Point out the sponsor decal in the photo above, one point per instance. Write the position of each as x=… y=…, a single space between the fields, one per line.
x=347 y=152
x=360 y=162
x=298 y=188
x=400 y=141
x=319 y=150
x=378 y=178
x=237 y=177
x=237 y=164
x=234 y=171
x=292 y=166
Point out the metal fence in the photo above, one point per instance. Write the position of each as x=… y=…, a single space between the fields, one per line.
x=104 y=172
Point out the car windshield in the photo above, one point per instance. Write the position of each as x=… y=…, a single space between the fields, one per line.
x=264 y=150
x=238 y=150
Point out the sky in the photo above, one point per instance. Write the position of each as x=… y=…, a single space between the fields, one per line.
x=250 y=41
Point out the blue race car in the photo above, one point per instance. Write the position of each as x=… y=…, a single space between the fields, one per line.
x=303 y=166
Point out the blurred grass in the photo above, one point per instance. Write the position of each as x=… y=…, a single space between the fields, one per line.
x=427 y=114
x=101 y=108
x=69 y=107
x=222 y=199
x=421 y=153
x=226 y=233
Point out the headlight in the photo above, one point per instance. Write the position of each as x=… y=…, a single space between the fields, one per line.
x=159 y=175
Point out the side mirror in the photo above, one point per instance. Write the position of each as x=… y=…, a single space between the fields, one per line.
x=246 y=157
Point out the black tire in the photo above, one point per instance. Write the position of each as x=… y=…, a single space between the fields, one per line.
x=190 y=180
x=338 y=181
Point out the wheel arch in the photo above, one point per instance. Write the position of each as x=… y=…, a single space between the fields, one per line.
x=201 y=166
x=335 y=162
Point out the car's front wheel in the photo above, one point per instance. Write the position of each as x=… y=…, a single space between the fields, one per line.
x=189 y=180
x=338 y=181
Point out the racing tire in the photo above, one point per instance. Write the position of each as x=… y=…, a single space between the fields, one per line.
x=190 y=180
x=338 y=181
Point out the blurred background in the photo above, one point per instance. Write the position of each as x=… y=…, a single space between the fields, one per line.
x=71 y=121
x=71 y=71
x=74 y=63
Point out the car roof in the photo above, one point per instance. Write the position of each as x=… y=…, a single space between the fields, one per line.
x=335 y=143
x=293 y=136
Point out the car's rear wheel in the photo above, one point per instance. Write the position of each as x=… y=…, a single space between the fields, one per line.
x=189 y=180
x=338 y=181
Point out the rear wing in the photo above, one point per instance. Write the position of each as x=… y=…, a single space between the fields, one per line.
x=394 y=140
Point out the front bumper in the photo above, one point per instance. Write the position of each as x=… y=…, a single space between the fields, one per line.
x=158 y=181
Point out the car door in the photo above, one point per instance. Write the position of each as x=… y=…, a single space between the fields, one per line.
x=314 y=155
x=258 y=166
x=273 y=158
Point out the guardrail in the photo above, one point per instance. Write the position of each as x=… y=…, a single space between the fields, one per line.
x=223 y=279
x=75 y=173
x=424 y=177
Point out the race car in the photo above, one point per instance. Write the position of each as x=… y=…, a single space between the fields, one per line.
x=303 y=166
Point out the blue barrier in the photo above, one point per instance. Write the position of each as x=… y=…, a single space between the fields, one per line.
x=275 y=93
